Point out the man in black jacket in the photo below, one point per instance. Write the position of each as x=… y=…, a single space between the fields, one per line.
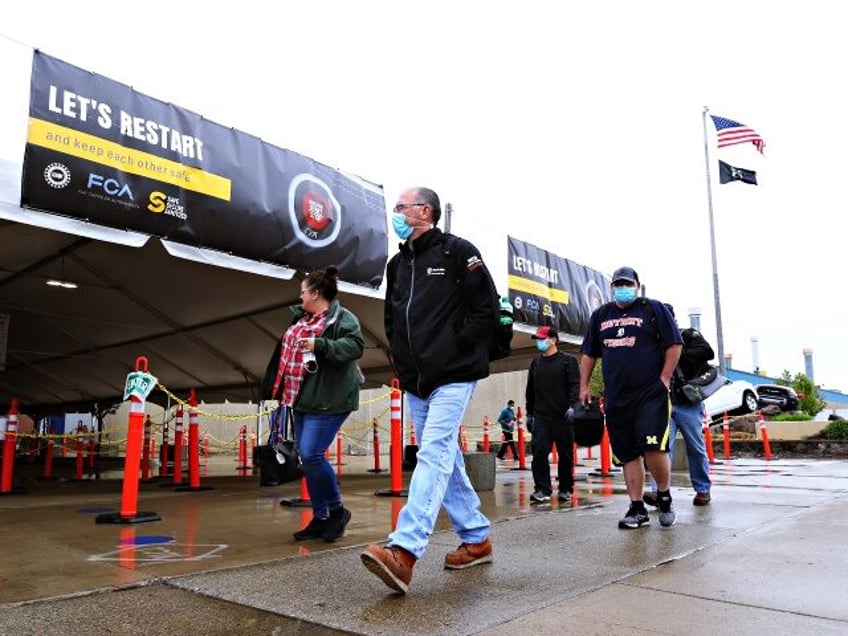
x=553 y=386
x=441 y=306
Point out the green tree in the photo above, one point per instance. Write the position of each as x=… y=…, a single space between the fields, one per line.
x=785 y=378
x=809 y=402
x=596 y=382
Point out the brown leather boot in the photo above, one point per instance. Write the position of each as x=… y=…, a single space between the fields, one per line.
x=393 y=565
x=702 y=498
x=468 y=555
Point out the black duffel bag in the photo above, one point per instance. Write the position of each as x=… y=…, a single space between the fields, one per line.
x=588 y=423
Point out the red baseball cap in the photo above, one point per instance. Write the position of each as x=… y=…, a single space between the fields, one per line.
x=545 y=331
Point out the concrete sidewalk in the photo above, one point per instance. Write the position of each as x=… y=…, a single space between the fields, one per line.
x=766 y=557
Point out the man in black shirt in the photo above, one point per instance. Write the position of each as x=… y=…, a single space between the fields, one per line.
x=553 y=386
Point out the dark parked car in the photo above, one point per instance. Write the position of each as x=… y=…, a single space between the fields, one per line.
x=783 y=397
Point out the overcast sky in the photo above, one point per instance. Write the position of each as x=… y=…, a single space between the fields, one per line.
x=575 y=127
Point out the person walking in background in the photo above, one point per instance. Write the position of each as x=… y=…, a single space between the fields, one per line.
x=506 y=418
x=441 y=307
x=688 y=417
x=553 y=384
x=314 y=373
x=639 y=344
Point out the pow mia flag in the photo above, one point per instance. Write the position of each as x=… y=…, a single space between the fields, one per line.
x=728 y=173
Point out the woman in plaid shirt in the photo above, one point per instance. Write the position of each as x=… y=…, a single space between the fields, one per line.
x=318 y=378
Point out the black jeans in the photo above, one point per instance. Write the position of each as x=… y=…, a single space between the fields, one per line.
x=547 y=432
x=507 y=443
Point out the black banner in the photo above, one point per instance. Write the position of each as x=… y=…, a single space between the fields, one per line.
x=100 y=151
x=545 y=289
x=728 y=173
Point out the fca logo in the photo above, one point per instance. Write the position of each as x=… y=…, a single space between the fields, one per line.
x=651 y=439
x=110 y=186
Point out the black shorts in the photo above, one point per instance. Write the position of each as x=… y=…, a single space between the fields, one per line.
x=644 y=426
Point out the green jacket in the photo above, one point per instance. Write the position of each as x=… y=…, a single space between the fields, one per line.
x=334 y=388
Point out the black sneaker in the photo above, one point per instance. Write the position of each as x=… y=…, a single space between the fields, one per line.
x=650 y=499
x=564 y=497
x=313 y=530
x=540 y=496
x=335 y=526
x=636 y=517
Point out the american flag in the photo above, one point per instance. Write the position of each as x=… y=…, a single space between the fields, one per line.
x=732 y=132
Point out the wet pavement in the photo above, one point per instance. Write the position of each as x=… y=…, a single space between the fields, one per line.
x=767 y=556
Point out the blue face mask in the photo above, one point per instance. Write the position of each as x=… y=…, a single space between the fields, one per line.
x=624 y=295
x=542 y=345
x=401 y=227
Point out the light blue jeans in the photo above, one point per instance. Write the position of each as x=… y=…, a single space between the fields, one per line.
x=688 y=419
x=313 y=434
x=439 y=478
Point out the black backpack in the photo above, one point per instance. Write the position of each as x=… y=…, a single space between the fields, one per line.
x=500 y=338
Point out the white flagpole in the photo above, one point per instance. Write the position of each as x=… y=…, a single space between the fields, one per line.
x=719 y=335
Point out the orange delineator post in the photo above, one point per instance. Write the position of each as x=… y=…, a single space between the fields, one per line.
x=522 y=452
x=299 y=502
x=708 y=441
x=193 y=442
x=376 y=436
x=606 y=448
x=339 y=446
x=396 y=440
x=606 y=453
x=178 y=446
x=554 y=454
x=764 y=435
x=206 y=444
x=7 y=479
x=485 y=434
x=193 y=447
x=242 y=449
x=412 y=440
x=129 y=495
x=725 y=431
x=396 y=459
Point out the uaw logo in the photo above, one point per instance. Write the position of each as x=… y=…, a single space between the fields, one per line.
x=57 y=175
x=314 y=211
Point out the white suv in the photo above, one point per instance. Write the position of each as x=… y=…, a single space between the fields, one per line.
x=733 y=398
